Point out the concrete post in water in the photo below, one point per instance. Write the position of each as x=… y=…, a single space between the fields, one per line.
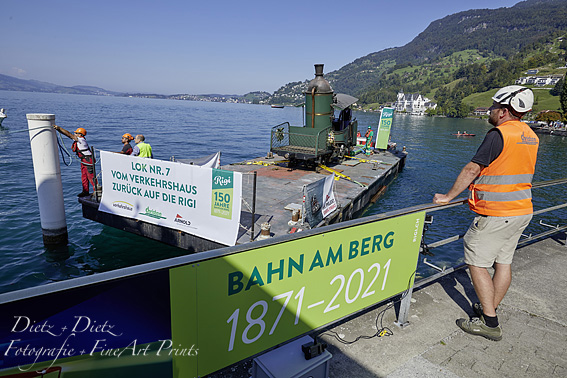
x=47 y=174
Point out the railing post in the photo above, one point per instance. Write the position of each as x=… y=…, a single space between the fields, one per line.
x=253 y=206
x=404 y=309
x=95 y=181
x=317 y=144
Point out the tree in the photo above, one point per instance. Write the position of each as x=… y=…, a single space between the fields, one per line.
x=450 y=112
x=548 y=116
x=563 y=97
x=558 y=88
x=463 y=110
x=430 y=112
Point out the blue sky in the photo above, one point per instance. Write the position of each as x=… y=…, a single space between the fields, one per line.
x=207 y=46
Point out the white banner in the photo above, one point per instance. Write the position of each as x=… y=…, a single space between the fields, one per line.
x=319 y=200
x=197 y=200
x=329 y=203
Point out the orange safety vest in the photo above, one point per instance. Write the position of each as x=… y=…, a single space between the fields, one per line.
x=504 y=187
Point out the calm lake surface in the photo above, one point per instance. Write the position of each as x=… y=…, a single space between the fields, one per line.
x=186 y=129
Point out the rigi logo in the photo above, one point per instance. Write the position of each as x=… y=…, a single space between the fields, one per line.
x=222 y=181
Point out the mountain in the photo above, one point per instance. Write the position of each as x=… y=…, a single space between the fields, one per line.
x=10 y=83
x=485 y=34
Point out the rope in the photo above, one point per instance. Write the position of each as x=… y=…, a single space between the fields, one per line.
x=246 y=228
x=247 y=204
x=340 y=175
x=260 y=162
x=96 y=161
x=62 y=150
x=368 y=160
x=22 y=130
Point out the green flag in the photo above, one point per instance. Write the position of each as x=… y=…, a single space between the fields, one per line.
x=384 y=128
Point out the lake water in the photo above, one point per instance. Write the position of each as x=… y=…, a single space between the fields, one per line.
x=186 y=129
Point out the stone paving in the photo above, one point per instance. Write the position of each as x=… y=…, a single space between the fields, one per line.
x=533 y=317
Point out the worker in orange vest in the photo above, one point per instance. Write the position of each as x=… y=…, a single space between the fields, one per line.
x=499 y=179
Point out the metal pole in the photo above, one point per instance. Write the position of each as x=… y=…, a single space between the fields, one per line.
x=313 y=108
x=404 y=309
x=253 y=206
x=95 y=185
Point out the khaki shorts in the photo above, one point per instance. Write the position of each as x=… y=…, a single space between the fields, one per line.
x=493 y=239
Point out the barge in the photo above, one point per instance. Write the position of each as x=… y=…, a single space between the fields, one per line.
x=273 y=187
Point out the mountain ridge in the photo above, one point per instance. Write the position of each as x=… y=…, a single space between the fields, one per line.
x=11 y=83
x=502 y=32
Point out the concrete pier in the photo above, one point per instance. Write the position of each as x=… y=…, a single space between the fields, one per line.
x=533 y=316
x=47 y=173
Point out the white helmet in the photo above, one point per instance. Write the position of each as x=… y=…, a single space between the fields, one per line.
x=521 y=99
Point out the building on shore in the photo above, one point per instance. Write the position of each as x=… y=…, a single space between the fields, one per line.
x=539 y=81
x=413 y=103
x=481 y=111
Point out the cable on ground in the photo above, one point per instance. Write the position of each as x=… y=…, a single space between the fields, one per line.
x=381 y=331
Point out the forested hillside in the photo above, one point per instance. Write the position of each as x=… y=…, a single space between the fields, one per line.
x=461 y=54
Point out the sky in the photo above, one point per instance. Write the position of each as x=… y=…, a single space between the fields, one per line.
x=207 y=46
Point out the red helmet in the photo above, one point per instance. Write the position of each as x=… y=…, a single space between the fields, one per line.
x=81 y=131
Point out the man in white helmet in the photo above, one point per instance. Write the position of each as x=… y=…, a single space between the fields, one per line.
x=499 y=179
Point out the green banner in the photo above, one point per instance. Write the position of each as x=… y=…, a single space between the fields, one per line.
x=250 y=301
x=222 y=193
x=190 y=319
x=184 y=321
x=384 y=127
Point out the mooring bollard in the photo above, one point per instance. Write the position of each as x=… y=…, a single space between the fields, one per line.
x=265 y=231
x=47 y=174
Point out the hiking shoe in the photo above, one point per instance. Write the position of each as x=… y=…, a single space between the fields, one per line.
x=476 y=326
x=83 y=194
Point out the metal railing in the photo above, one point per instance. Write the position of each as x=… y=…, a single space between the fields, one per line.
x=280 y=135
x=286 y=137
x=527 y=238
x=443 y=271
